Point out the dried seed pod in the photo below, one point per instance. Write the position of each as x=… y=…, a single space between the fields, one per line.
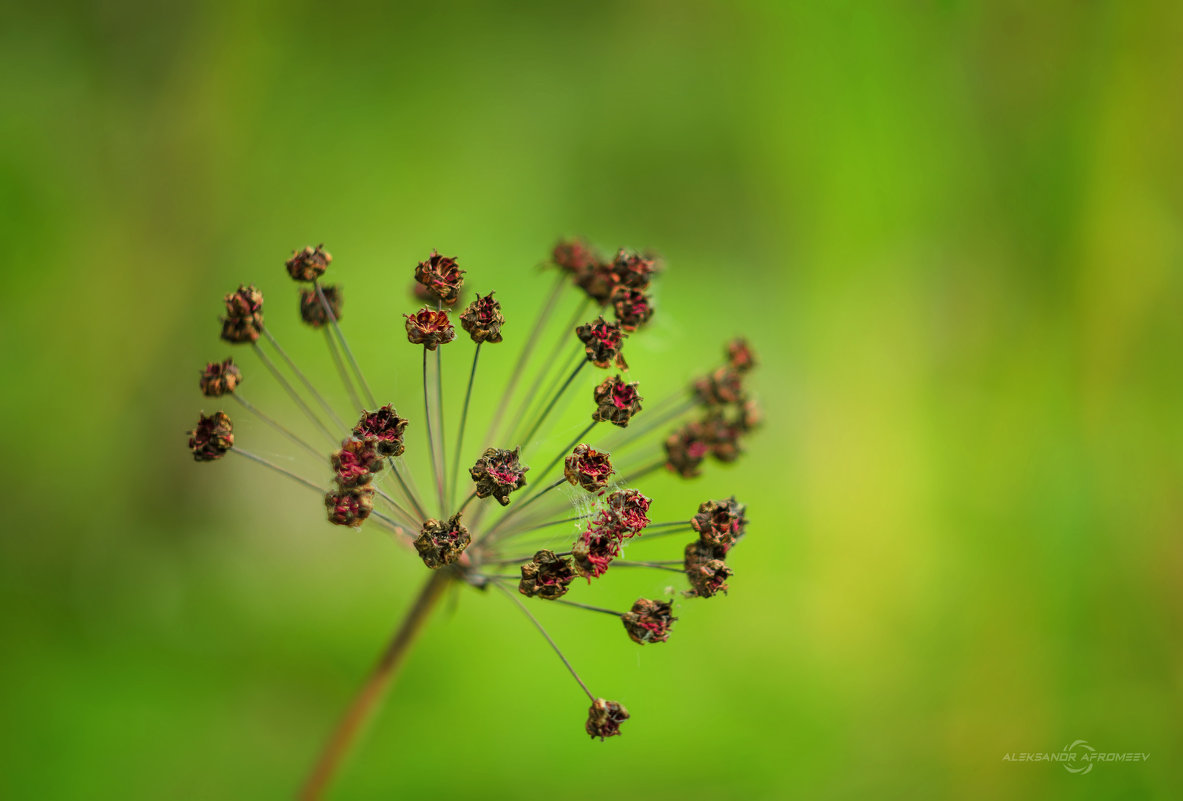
x=627 y=508
x=633 y=307
x=350 y=507
x=616 y=401
x=441 y=543
x=220 y=378
x=312 y=311
x=356 y=463
x=384 y=428
x=595 y=549
x=429 y=328
x=722 y=387
x=720 y=523
x=546 y=576
x=588 y=468
x=441 y=277
x=634 y=270
x=705 y=569
x=723 y=437
x=308 y=264
x=244 y=315
x=597 y=280
x=575 y=256
x=602 y=342
x=649 y=621
x=213 y=436
x=498 y=473
x=750 y=416
x=604 y=718
x=483 y=319
x=686 y=448
x=740 y=355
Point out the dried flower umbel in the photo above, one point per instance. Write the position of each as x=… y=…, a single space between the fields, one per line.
x=461 y=537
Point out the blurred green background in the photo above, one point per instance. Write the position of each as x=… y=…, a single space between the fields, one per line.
x=951 y=229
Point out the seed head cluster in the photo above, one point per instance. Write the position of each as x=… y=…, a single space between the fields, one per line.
x=454 y=528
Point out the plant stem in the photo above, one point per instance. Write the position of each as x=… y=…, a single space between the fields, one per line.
x=364 y=703
x=344 y=344
x=464 y=420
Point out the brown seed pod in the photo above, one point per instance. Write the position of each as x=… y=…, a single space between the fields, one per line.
x=722 y=387
x=244 y=315
x=483 y=319
x=546 y=576
x=384 y=428
x=220 y=378
x=705 y=569
x=720 y=523
x=649 y=621
x=429 y=328
x=588 y=468
x=634 y=270
x=213 y=436
x=596 y=548
x=308 y=264
x=633 y=307
x=356 y=463
x=575 y=256
x=441 y=543
x=441 y=277
x=602 y=342
x=616 y=401
x=628 y=510
x=740 y=356
x=312 y=311
x=350 y=507
x=604 y=718
x=498 y=473
x=686 y=448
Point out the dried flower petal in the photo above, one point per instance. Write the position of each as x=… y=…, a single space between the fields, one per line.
x=384 y=428
x=356 y=463
x=649 y=621
x=498 y=473
x=602 y=341
x=720 y=523
x=616 y=401
x=429 y=328
x=588 y=468
x=632 y=306
x=350 y=507
x=312 y=311
x=483 y=319
x=442 y=543
x=213 y=436
x=604 y=718
x=546 y=576
x=308 y=264
x=220 y=378
x=441 y=277
x=244 y=315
